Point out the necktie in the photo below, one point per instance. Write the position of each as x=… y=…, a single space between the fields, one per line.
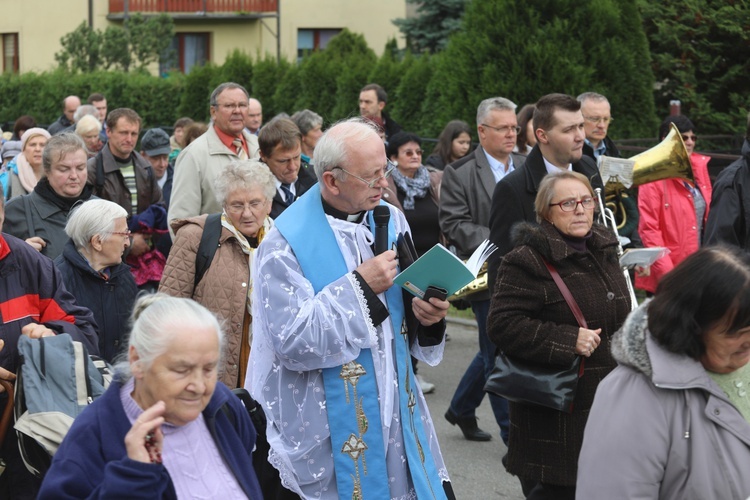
x=237 y=143
x=288 y=196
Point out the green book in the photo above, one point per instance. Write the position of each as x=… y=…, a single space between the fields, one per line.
x=440 y=268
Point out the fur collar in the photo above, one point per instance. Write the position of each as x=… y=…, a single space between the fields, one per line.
x=545 y=239
x=629 y=342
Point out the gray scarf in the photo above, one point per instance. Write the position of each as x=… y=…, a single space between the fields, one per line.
x=412 y=188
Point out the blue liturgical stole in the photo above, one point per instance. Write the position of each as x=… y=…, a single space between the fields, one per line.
x=351 y=389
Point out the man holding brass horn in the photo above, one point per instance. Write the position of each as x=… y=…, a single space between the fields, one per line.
x=597 y=117
x=465 y=199
x=673 y=211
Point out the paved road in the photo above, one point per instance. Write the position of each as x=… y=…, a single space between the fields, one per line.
x=474 y=467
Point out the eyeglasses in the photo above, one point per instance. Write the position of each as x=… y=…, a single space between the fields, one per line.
x=686 y=137
x=122 y=233
x=596 y=119
x=238 y=208
x=587 y=203
x=409 y=153
x=389 y=168
x=231 y=107
x=504 y=130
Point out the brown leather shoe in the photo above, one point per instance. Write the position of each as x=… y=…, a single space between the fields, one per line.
x=468 y=426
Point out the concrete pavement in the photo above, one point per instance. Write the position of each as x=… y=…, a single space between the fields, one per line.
x=474 y=467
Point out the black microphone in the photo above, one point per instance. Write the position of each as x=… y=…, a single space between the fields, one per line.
x=382 y=215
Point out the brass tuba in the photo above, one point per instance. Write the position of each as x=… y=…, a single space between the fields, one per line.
x=668 y=159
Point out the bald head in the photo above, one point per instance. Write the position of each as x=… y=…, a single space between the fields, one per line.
x=254 y=115
x=70 y=105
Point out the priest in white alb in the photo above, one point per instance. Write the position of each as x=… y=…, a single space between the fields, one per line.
x=332 y=338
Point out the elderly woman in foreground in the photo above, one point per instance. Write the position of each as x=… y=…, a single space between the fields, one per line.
x=673 y=420
x=92 y=269
x=165 y=428
x=530 y=320
x=39 y=217
x=245 y=190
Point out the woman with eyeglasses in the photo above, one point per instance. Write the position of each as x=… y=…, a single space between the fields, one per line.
x=244 y=189
x=93 y=271
x=415 y=190
x=530 y=320
x=673 y=212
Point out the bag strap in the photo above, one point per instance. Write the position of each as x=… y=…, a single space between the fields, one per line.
x=207 y=247
x=566 y=294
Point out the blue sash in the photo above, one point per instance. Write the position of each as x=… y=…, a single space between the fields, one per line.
x=351 y=390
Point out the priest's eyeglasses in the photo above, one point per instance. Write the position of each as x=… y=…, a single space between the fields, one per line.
x=389 y=168
x=587 y=203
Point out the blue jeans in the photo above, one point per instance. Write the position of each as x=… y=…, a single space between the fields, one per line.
x=470 y=390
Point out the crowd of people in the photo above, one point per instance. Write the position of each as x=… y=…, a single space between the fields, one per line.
x=242 y=254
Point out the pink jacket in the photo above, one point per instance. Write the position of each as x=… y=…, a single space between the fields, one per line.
x=667 y=219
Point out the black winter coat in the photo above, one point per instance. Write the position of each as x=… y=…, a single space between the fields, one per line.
x=111 y=300
x=529 y=319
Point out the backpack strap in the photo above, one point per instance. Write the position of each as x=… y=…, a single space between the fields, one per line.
x=207 y=247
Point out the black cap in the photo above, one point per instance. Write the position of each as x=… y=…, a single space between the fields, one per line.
x=155 y=142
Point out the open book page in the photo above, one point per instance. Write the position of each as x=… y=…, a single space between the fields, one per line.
x=481 y=254
x=440 y=268
x=643 y=257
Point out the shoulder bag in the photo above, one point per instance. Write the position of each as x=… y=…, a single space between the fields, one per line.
x=523 y=381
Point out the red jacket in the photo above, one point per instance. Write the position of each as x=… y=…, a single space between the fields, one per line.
x=667 y=219
x=32 y=291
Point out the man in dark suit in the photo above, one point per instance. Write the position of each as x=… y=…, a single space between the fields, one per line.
x=280 y=143
x=465 y=200
x=559 y=129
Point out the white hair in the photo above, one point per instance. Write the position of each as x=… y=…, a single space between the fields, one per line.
x=91 y=218
x=157 y=318
x=244 y=174
x=333 y=147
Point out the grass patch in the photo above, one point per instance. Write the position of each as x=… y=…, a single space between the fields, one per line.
x=461 y=313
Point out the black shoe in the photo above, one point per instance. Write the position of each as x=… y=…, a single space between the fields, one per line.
x=468 y=426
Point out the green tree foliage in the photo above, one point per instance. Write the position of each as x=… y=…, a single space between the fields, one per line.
x=149 y=37
x=268 y=77
x=411 y=92
x=347 y=58
x=523 y=50
x=701 y=56
x=81 y=49
x=141 y=41
x=436 y=20
x=197 y=91
x=237 y=68
x=388 y=71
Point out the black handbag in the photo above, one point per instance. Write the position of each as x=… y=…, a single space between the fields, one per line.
x=523 y=381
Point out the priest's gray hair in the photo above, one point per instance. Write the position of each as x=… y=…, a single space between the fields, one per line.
x=332 y=149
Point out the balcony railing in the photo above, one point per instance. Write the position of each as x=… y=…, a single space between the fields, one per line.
x=193 y=7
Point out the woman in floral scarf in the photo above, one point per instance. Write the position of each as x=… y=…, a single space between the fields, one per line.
x=245 y=189
x=415 y=189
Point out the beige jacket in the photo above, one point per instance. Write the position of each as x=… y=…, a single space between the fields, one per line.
x=195 y=171
x=223 y=289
